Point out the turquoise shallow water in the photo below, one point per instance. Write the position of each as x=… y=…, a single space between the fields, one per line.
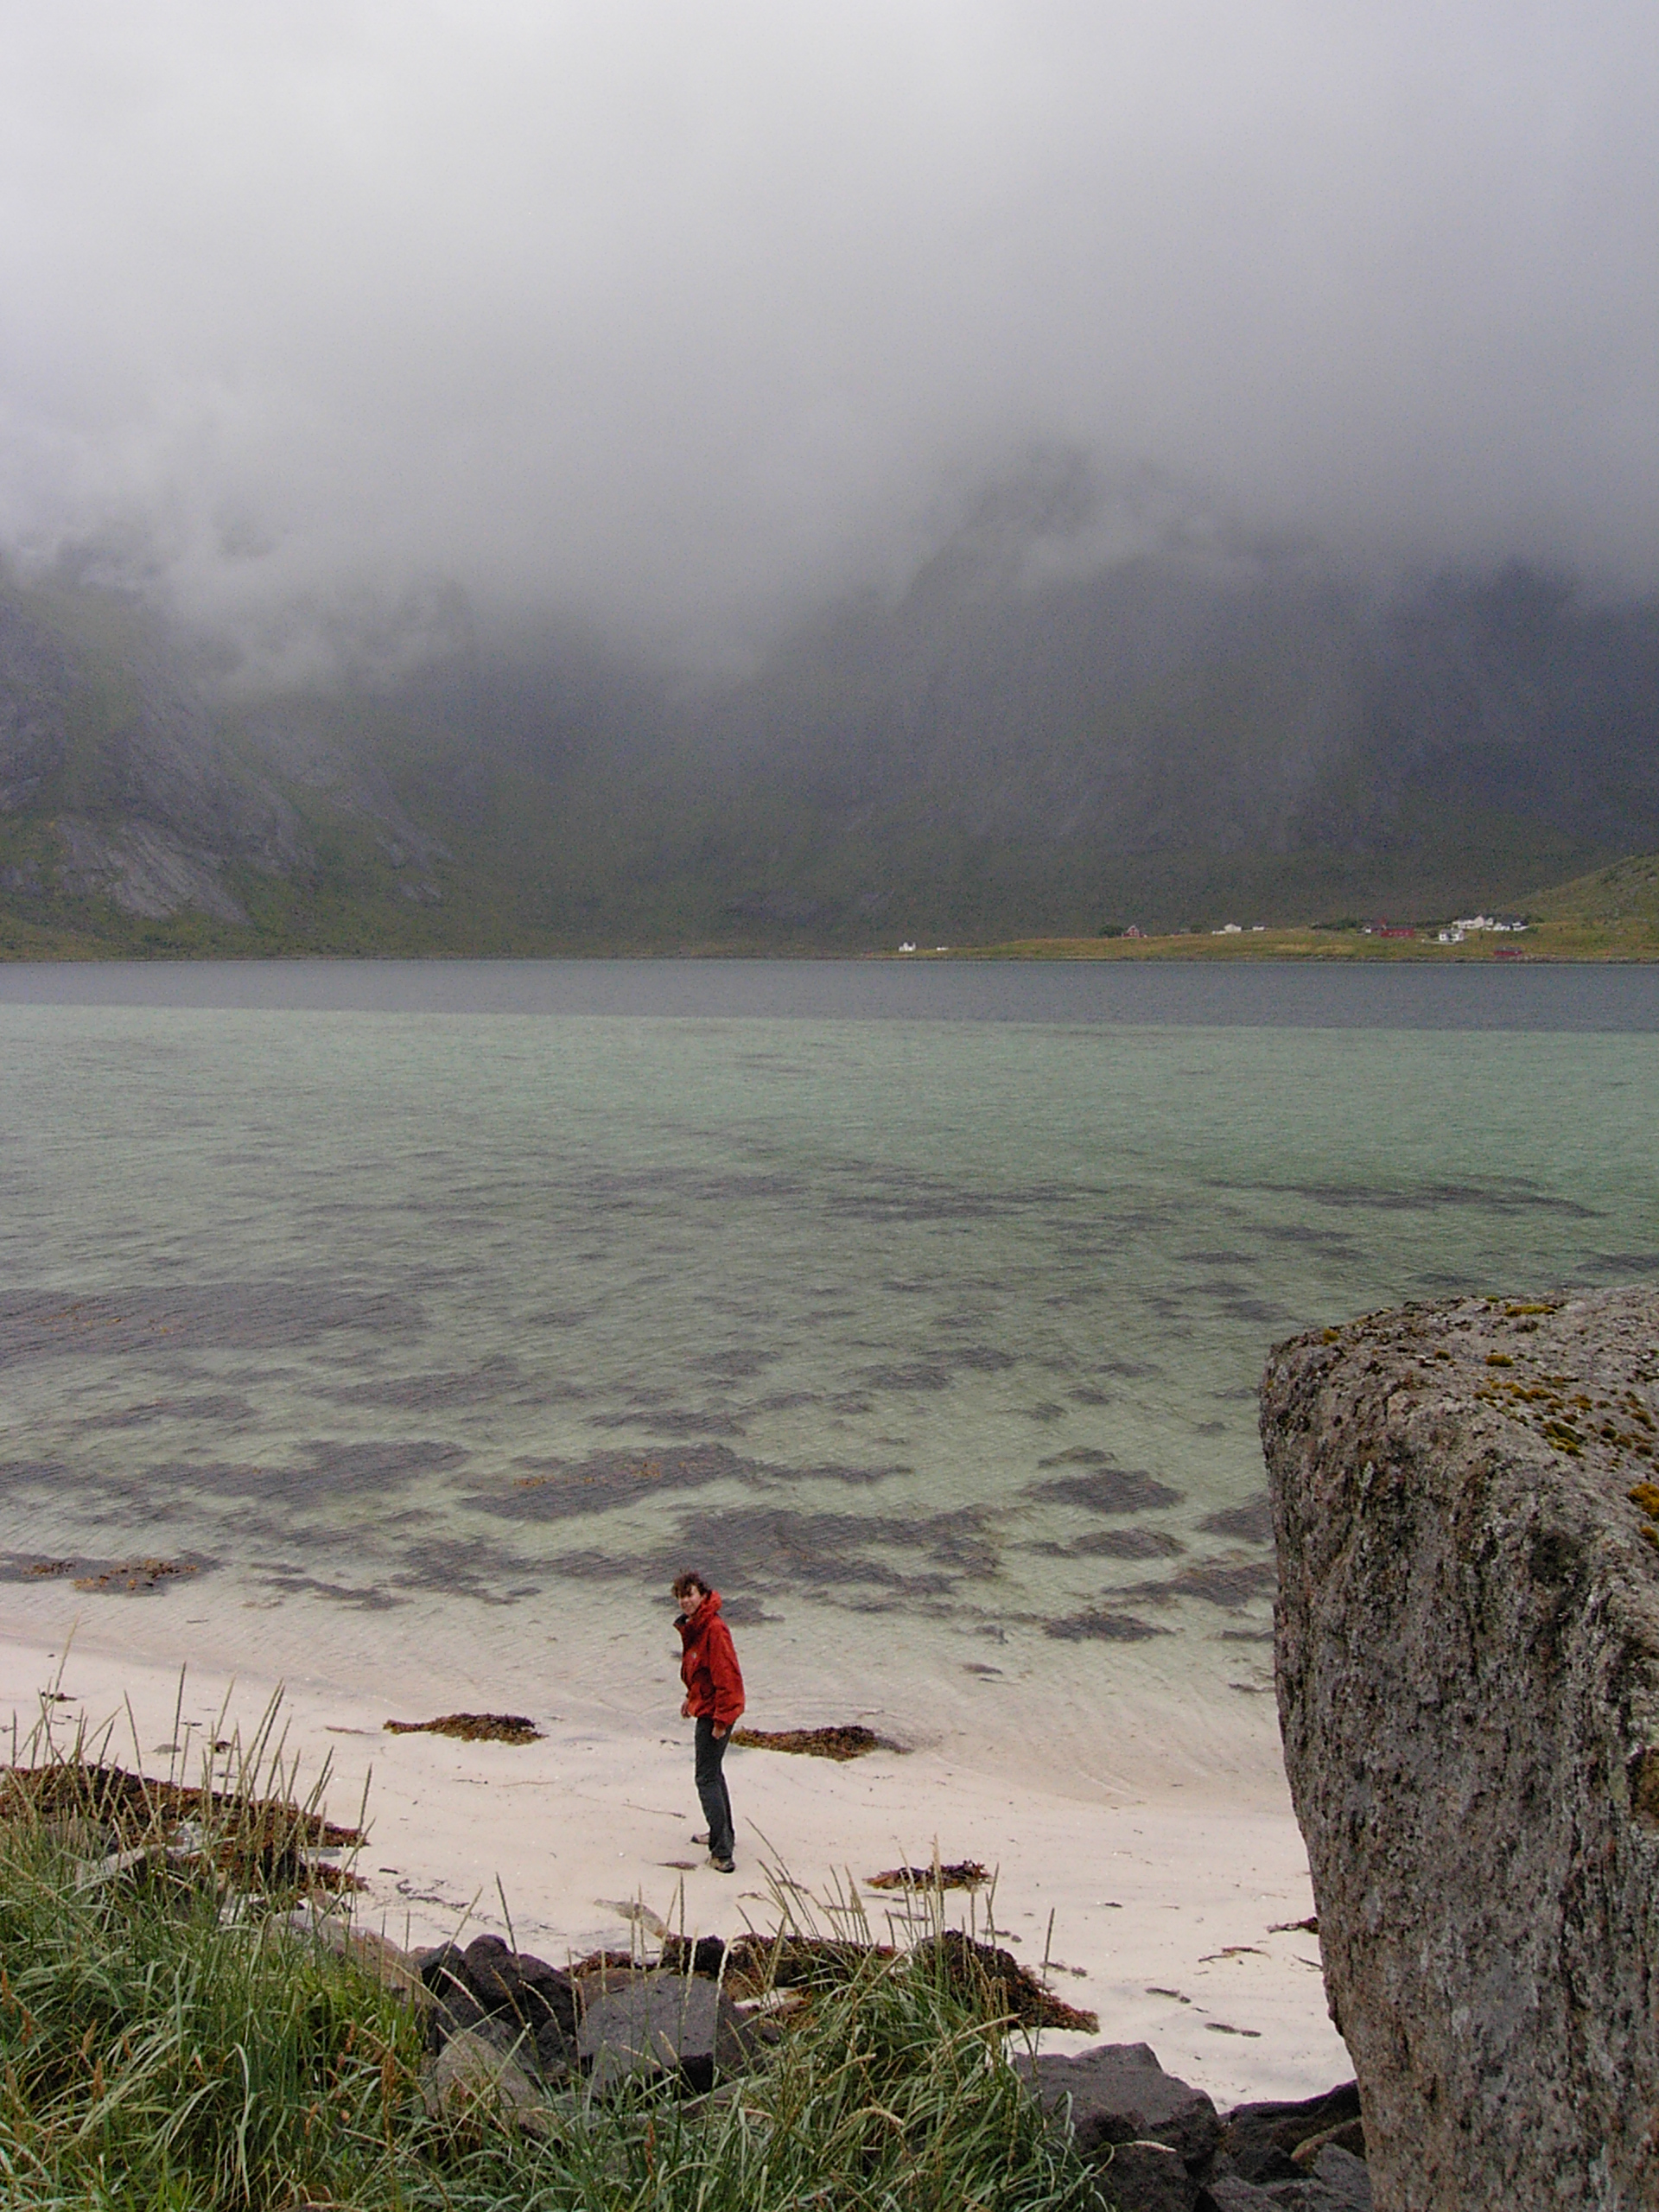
x=902 y=1326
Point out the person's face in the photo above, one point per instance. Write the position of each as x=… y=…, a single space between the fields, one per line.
x=691 y=1602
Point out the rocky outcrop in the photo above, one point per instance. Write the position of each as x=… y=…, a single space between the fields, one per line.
x=518 y=2003
x=1118 y=2094
x=1158 y=2144
x=1468 y=1664
x=145 y=869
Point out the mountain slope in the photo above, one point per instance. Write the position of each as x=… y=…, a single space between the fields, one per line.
x=998 y=751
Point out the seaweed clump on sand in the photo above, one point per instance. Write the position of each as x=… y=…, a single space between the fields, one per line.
x=252 y=1842
x=849 y=1742
x=472 y=1727
x=979 y=1974
x=956 y=1875
x=750 y=1966
x=133 y=1575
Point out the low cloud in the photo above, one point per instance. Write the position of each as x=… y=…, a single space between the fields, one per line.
x=668 y=321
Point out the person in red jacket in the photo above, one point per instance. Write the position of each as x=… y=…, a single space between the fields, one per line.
x=714 y=1698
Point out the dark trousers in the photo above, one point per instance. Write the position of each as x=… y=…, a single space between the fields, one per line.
x=711 y=1788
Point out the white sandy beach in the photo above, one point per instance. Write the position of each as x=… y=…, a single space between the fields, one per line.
x=1164 y=1892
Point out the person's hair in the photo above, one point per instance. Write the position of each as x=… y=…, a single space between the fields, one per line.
x=682 y=1583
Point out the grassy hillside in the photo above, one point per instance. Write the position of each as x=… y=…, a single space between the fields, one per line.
x=1612 y=914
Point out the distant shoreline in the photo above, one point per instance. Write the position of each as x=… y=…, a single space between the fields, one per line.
x=1292 y=945
x=1300 y=947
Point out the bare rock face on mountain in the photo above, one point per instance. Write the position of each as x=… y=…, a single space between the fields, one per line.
x=1468 y=1658
x=109 y=739
x=34 y=686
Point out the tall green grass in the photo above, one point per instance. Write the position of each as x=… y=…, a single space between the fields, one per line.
x=165 y=2044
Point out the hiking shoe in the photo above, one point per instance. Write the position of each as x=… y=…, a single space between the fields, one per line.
x=703 y=1839
x=722 y=1865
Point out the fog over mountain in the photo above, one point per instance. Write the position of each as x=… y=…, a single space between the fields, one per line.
x=674 y=320
x=579 y=473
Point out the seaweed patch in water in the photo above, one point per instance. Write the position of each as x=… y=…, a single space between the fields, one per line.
x=1510 y=1195
x=919 y=1374
x=559 y=1490
x=735 y=1366
x=983 y=1359
x=366 y=1598
x=1227 y=1582
x=113 y=1578
x=684 y=1421
x=486 y=1384
x=1102 y=1627
x=1625 y=1263
x=246 y=1316
x=471 y=1567
x=375 y=1464
x=1249 y=1523
x=747 y=1612
x=1117 y=1543
x=1105 y=1490
x=132 y=1575
x=773 y=1549
x=224 y=1407
x=472 y=1727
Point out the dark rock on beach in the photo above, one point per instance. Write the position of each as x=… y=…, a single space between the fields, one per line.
x=1158 y=2145
x=1120 y=2093
x=1149 y=2177
x=504 y=2029
x=509 y=1999
x=1257 y=2140
x=663 y=2024
x=1336 y=2182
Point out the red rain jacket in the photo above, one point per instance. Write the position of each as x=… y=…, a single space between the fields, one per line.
x=709 y=1668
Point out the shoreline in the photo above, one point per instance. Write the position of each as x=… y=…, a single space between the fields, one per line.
x=1162 y=1904
x=1290 y=948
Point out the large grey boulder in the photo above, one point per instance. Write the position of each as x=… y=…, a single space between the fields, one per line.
x=1468 y=1668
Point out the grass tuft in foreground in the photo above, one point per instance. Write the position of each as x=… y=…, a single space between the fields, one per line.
x=167 y=2040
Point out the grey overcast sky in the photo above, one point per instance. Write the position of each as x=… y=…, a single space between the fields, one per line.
x=673 y=315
